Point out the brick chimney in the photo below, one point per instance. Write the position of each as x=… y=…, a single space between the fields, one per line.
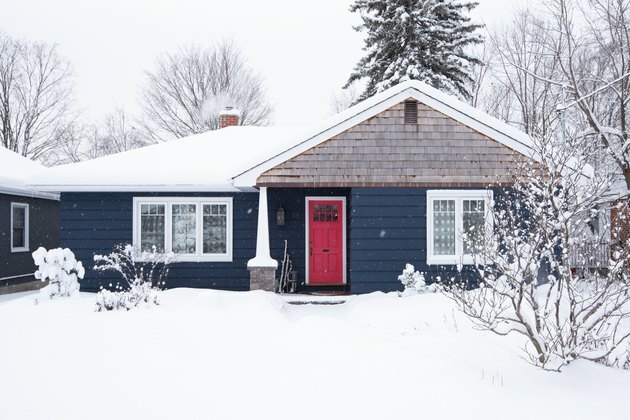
x=229 y=117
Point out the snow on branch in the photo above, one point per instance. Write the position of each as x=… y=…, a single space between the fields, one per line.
x=143 y=273
x=594 y=92
x=559 y=265
x=61 y=269
x=414 y=282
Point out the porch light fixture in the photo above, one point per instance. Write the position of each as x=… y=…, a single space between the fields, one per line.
x=280 y=219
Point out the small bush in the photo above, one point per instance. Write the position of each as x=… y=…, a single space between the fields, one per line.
x=61 y=269
x=414 y=282
x=139 y=292
x=143 y=276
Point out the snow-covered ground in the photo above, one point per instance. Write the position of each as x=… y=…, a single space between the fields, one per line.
x=226 y=355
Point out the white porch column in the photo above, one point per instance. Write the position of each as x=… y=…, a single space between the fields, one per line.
x=262 y=268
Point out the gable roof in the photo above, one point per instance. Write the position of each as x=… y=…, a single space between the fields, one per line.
x=439 y=101
x=233 y=158
x=14 y=172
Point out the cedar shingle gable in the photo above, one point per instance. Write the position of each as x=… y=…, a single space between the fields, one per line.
x=384 y=151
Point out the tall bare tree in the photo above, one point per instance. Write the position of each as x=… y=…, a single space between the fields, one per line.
x=344 y=98
x=116 y=132
x=571 y=61
x=479 y=73
x=70 y=145
x=186 y=91
x=35 y=97
x=544 y=281
x=522 y=71
x=592 y=47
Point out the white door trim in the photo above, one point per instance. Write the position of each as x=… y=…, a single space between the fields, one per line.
x=307 y=200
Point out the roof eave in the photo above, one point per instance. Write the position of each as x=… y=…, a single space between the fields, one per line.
x=31 y=193
x=140 y=188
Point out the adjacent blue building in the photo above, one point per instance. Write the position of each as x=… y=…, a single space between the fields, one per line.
x=28 y=219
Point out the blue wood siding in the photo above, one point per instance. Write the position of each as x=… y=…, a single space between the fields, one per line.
x=43 y=231
x=92 y=223
x=388 y=228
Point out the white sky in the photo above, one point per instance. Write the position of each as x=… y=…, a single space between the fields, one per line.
x=304 y=50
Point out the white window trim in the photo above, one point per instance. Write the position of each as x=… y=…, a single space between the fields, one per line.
x=24 y=248
x=459 y=196
x=199 y=202
x=307 y=228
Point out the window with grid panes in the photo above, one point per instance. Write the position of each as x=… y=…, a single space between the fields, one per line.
x=194 y=229
x=458 y=224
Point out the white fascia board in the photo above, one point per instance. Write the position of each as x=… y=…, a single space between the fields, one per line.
x=31 y=193
x=141 y=188
x=249 y=177
x=491 y=131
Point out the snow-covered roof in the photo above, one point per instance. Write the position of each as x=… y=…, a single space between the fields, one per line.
x=203 y=162
x=234 y=157
x=441 y=102
x=14 y=172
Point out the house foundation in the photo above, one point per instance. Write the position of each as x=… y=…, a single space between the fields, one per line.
x=262 y=278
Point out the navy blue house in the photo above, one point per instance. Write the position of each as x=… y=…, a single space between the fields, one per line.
x=28 y=219
x=387 y=182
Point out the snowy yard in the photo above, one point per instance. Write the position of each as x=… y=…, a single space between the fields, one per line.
x=230 y=355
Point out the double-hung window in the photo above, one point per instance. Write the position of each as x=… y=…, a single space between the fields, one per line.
x=19 y=227
x=194 y=229
x=458 y=221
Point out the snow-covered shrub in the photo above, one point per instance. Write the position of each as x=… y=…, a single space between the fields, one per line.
x=539 y=279
x=140 y=292
x=61 y=269
x=143 y=276
x=414 y=282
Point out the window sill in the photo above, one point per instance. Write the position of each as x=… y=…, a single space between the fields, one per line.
x=201 y=259
x=18 y=250
x=450 y=260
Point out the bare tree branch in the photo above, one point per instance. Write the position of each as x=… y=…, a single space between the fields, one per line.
x=35 y=97
x=186 y=91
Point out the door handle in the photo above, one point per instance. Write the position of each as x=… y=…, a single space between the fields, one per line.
x=325 y=250
x=310 y=249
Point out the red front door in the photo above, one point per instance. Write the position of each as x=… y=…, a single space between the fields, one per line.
x=325 y=234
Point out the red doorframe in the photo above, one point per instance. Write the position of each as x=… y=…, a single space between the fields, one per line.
x=325 y=240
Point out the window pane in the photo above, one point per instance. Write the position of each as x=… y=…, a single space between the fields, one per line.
x=184 y=235
x=474 y=222
x=214 y=229
x=19 y=227
x=152 y=227
x=444 y=227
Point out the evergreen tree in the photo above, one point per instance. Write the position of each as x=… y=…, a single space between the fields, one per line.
x=416 y=39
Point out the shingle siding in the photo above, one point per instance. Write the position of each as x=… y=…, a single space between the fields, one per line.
x=382 y=151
